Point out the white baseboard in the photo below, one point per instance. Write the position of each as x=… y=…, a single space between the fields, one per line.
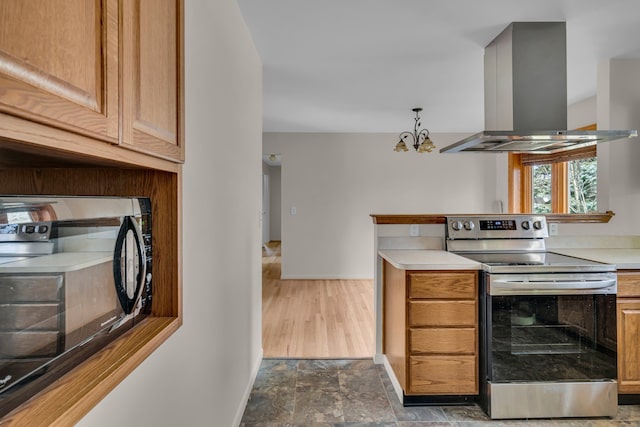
x=392 y=377
x=247 y=392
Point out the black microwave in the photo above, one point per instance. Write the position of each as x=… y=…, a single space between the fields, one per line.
x=75 y=273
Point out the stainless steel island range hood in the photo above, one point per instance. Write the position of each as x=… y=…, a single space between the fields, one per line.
x=525 y=92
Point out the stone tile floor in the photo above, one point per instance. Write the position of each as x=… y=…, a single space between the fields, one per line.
x=356 y=393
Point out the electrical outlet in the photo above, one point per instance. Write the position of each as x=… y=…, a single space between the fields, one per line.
x=293 y=210
x=414 y=230
x=553 y=229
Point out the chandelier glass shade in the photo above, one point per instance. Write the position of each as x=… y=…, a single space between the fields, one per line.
x=419 y=138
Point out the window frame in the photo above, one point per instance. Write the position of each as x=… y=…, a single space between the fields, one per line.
x=520 y=164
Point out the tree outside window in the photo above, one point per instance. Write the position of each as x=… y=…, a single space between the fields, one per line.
x=541 y=188
x=581 y=181
x=583 y=185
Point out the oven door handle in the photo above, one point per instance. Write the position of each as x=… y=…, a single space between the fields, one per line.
x=552 y=287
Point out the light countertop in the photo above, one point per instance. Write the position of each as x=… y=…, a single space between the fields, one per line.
x=57 y=263
x=624 y=259
x=428 y=260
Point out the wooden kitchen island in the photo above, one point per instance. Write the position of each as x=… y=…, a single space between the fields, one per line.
x=433 y=358
x=430 y=325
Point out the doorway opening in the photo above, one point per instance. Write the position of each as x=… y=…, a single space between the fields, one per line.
x=308 y=319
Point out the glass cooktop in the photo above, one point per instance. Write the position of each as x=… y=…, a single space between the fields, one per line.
x=539 y=262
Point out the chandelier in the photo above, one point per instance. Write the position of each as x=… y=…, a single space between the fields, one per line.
x=419 y=138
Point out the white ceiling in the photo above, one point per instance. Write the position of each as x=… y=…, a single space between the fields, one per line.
x=361 y=65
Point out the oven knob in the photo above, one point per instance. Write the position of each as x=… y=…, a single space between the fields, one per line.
x=537 y=225
x=456 y=225
x=469 y=225
x=526 y=225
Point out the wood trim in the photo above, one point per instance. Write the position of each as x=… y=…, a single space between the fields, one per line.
x=526 y=190
x=395 y=334
x=441 y=218
x=580 y=218
x=559 y=188
x=409 y=219
x=63 y=147
x=70 y=398
x=587 y=152
x=515 y=183
x=519 y=197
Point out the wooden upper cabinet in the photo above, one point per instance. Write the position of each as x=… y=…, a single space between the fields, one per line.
x=59 y=64
x=152 y=76
x=109 y=70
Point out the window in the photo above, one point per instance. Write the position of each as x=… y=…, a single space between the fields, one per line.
x=565 y=182
x=583 y=185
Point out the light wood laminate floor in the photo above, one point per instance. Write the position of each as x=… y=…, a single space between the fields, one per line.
x=314 y=319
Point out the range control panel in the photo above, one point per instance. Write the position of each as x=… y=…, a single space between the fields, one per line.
x=497 y=227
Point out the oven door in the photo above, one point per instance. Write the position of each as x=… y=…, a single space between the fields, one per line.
x=546 y=337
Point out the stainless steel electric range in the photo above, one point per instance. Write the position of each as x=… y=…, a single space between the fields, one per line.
x=547 y=321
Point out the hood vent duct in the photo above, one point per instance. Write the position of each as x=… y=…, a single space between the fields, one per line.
x=525 y=95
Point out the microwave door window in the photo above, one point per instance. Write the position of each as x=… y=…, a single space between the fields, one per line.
x=131 y=262
x=128 y=265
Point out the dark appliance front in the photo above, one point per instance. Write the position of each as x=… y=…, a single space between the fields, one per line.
x=75 y=273
x=548 y=353
x=547 y=322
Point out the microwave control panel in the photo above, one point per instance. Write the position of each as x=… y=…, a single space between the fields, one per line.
x=30 y=232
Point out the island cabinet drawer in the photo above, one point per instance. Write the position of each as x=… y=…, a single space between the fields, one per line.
x=442 y=313
x=443 y=285
x=30 y=288
x=29 y=344
x=443 y=341
x=629 y=284
x=30 y=317
x=443 y=375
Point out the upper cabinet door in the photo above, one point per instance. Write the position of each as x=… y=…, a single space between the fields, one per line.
x=58 y=64
x=152 y=77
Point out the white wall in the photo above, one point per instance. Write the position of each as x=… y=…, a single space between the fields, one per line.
x=335 y=181
x=202 y=374
x=617 y=107
x=582 y=113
